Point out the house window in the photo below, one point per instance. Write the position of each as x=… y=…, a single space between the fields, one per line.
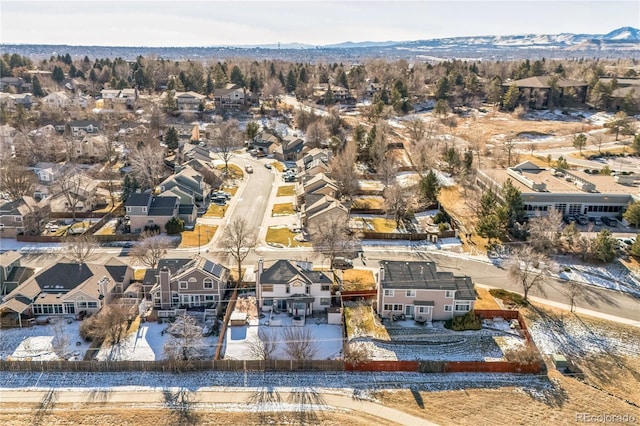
x=267 y=287
x=449 y=294
x=208 y=283
x=92 y=305
x=325 y=301
x=183 y=285
x=325 y=287
x=390 y=307
x=128 y=209
x=287 y=290
x=144 y=210
x=388 y=293
x=448 y=308
x=463 y=307
x=175 y=298
x=411 y=293
x=208 y=297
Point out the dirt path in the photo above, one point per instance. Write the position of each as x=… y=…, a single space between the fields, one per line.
x=222 y=400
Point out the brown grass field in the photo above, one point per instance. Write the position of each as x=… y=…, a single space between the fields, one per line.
x=283 y=236
x=282 y=209
x=110 y=415
x=485 y=300
x=215 y=210
x=286 y=191
x=200 y=235
x=358 y=279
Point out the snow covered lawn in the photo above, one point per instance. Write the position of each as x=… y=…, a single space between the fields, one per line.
x=146 y=344
x=327 y=338
x=435 y=343
x=37 y=343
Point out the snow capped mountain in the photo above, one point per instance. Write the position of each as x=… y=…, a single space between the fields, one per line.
x=624 y=33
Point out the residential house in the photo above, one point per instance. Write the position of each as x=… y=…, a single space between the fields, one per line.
x=417 y=290
x=231 y=97
x=372 y=88
x=321 y=208
x=189 y=101
x=146 y=210
x=80 y=127
x=151 y=275
x=15 y=85
x=109 y=96
x=132 y=129
x=10 y=101
x=267 y=141
x=290 y=148
x=190 y=181
x=82 y=192
x=69 y=288
x=319 y=184
x=187 y=209
x=16 y=217
x=90 y=146
x=314 y=161
x=292 y=287
x=128 y=97
x=200 y=282
x=56 y=100
x=12 y=274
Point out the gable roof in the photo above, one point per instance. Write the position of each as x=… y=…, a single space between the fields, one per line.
x=163 y=206
x=543 y=82
x=173 y=265
x=138 y=200
x=283 y=271
x=424 y=276
x=9 y=257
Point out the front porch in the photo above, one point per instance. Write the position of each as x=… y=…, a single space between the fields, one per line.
x=294 y=305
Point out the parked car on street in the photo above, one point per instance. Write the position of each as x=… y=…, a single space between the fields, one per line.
x=248 y=169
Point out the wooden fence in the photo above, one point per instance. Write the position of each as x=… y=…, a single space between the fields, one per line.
x=172 y=366
x=225 y=322
x=369 y=235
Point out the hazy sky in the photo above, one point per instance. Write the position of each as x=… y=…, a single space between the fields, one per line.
x=212 y=23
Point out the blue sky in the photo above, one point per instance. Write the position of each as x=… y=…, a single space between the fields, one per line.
x=212 y=23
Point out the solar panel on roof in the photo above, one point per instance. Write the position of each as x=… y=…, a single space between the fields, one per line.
x=212 y=268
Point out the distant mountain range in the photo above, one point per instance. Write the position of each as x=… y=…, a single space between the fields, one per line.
x=622 y=42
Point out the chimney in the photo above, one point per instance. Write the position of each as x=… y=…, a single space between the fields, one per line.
x=260 y=266
x=381 y=273
x=165 y=287
x=102 y=288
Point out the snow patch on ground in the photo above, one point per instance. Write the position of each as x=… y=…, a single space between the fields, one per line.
x=611 y=276
x=146 y=344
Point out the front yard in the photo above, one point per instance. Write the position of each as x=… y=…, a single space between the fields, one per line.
x=286 y=191
x=282 y=236
x=284 y=209
x=215 y=210
x=201 y=235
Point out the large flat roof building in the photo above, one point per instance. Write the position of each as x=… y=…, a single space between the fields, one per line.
x=571 y=192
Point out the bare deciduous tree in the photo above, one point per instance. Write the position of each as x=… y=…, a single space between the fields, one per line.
x=61 y=339
x=226 y=140
x=575 y=292
x=316 y=134
x=264 y=345
x=528 y=268
x=16 y=181
x=332 y=237
x=74 y=186
x=147 y=165
x=186 y=341
x=81 y=248
x=150 y=248
x=544 y=231
x=273 y=90
x=399 y=202
x=299 y=343
x=237 y=241
x=342 y=170
x=110 y=324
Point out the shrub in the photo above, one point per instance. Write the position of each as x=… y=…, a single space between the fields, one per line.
x=154 y=229
x=508 y=297
x=469 y=321
x=442 y=226
x=441 y=217
x=174 y=226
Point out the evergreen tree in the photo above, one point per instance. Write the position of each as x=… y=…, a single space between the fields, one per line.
x=252 y=130
x=632 y=214
x=236 y=76
x=129 y=186
x=292 y=82
x=209 y=88
x=429 y=187
x=513 y=202
x=303 y=75
x=171 y=139
x=57 y=74
x=604 y=246
x=37 y=87
x=511 y=98
x=580 y=141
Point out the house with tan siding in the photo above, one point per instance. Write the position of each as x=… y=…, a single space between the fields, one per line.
x=418 y=290
x=199 y=282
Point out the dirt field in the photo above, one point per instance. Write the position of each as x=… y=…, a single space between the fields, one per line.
x=95 y=414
